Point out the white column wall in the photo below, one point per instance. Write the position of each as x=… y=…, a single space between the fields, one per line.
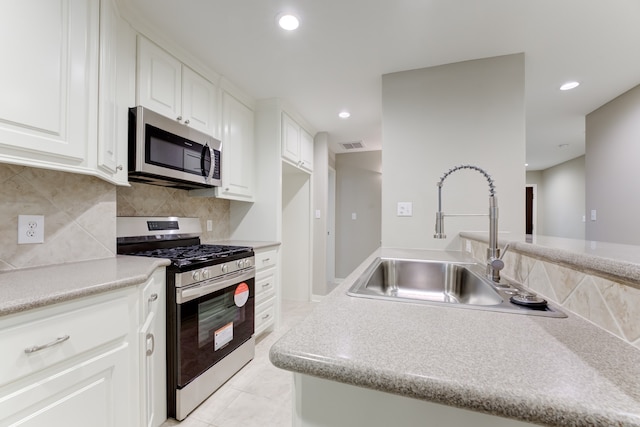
x=435 y=118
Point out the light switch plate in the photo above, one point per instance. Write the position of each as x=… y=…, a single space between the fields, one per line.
x=405 y=209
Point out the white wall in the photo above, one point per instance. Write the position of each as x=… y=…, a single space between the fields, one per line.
x=296 y=233
x=436 y=118
x=612 y=172
x=320 y=204
x=358 y=191
x=564 y=199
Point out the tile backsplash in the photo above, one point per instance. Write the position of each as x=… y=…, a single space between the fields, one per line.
x=80 y=214
x=152 y=200
x=613 y=306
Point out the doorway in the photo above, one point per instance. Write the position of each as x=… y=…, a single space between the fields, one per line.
x=531 y=209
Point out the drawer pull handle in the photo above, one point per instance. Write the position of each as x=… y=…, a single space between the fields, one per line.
x=266 y=260
x=57 y=341
x=266 y=316
x=153 y=297
x=150 y=340
x=266 y=285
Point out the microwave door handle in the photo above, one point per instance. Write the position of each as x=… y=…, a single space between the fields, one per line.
x=205 y=161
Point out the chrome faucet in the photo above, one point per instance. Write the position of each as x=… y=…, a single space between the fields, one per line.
x=494 y=260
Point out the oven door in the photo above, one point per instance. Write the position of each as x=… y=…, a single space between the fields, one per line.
x=214 y=318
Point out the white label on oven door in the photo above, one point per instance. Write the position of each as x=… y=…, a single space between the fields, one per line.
x=241 y=295
x=223 y=336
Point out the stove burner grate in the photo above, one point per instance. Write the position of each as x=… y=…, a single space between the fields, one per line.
x=185 y=255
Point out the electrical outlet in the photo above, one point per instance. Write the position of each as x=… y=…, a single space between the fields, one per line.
x=405 y=209
x=30 y=229
x=209 y=225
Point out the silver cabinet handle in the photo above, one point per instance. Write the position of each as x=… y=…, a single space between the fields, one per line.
x=186 y=122
x=151 y=338
x=120 y=167
x=266 y=285
x=57 y=341
x=266 y=316
x=179 y=118
x=153 y=297
x=266 y=260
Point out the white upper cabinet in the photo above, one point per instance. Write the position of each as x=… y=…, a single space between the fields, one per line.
x=172 y=89
x=297 y=144
x=116 y=91
x=49 y=82
x=237 y=150
x=65 y=96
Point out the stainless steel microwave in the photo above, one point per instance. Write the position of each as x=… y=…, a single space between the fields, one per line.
x=167 y=153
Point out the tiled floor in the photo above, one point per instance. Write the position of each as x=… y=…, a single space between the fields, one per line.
x=257 y=396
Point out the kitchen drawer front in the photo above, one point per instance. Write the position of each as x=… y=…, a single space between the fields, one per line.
x=49 y=339
x=266 y=259
x=265 y=315
x=265 y=285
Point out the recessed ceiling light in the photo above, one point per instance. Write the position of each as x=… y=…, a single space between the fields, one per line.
x=344 y=114
x=526 y=164
x=288 y=22
x=569 y=85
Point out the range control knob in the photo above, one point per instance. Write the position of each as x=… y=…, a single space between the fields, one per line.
x=247 y=262
x=240 y=263
x=224 y=268
x=205 y=274
x=196 y=275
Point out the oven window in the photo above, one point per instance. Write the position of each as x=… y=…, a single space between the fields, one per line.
x=216 y=314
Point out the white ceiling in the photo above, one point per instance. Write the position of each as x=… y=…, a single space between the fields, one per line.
x=336 y=58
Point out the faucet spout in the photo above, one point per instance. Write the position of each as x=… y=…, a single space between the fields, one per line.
x=494 y=260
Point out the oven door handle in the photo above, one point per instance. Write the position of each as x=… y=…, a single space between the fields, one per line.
x=187 y=294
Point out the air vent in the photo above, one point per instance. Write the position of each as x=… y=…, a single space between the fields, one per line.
x=352 y=145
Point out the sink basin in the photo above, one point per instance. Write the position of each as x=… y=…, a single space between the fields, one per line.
x=455 y=284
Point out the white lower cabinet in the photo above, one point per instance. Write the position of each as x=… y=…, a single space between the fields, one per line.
x=95 y=361
x=266 y=260
x=68 y=365
x=152 y=354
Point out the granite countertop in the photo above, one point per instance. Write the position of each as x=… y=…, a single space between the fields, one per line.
x=255 y=244
x=613 y=260
x=31 y=288
x=542 y=370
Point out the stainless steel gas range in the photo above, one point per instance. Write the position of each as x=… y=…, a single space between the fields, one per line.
x=210 y=305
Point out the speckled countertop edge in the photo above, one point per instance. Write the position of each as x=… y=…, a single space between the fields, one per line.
x=600 y=261
x=567 y=371
x=255 y=244
x=27 y=289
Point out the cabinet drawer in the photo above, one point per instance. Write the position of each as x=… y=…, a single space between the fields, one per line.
x=266 y=259
x=50 y=339
x=265 y=286
x=265 y=315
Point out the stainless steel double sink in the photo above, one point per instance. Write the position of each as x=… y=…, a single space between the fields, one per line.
x=454 y=284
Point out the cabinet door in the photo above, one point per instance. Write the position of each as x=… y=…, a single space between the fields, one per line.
x=48 y=82
x=152 y=345
x=116 y=92
x=199 y=100
x=290 y=139
x=90 y=392
x=237 y=150
x=159 y=80
x=306 y=150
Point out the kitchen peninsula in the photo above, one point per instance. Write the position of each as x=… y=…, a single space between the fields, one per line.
x=358 y=361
